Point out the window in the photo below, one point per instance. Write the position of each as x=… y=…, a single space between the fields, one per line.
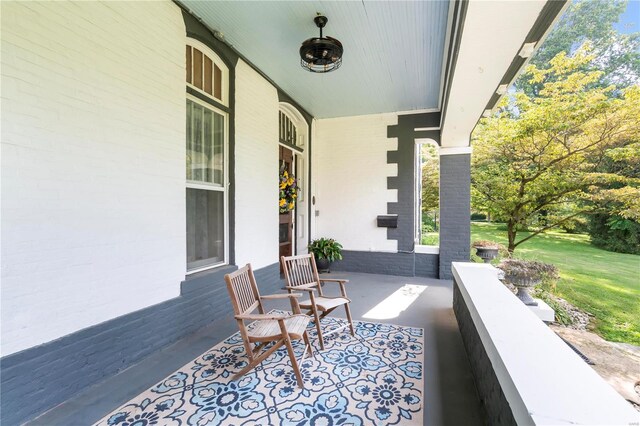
x=206 y=174
x=428 y=194
x=288 y=131
x=206 y=72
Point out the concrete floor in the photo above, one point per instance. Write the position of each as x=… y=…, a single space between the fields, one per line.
x=450 y=394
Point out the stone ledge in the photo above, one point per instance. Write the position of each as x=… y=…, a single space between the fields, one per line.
x=543 y=380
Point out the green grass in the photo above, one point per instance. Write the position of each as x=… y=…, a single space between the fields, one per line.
x=430 y=239
x=600 y=282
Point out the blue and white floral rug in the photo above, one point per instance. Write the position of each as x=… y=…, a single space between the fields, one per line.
x=374 y=378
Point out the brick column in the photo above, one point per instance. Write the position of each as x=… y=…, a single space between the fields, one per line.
x=455 y=211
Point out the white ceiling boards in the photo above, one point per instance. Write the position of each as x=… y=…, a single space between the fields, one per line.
x=393 y=50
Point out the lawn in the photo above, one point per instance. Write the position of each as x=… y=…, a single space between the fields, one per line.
x=600 y=282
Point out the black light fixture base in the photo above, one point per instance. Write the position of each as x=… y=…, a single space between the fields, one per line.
x=320 y=21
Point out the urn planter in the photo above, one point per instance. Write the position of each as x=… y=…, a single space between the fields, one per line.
x=487 y=253
x=524 y=285
x=526 y=274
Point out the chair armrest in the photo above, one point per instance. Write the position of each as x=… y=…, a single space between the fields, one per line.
x=300 y=288
x=281 y=296
x=334 y=280
x=341 y=282
x=258 y=317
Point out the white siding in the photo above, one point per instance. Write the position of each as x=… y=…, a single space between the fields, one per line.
x=350 y=172
x=256 y=168
x=93 y=171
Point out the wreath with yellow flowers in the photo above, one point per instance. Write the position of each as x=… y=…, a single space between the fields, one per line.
x=288 y=192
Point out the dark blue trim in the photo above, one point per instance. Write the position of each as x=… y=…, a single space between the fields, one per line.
x=39 y=378
x=388 y=263
x=455 y=211
x=404 y=157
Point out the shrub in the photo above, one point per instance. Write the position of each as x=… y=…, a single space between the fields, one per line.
x=429 y=222
x=615 y=233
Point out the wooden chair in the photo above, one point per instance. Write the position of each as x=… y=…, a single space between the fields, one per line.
x=301 y=274
x=278 y=328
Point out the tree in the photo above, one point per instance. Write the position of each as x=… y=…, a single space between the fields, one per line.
x=430 y=178
x=616 y=225
x=430 y=169
x=617 y=55
x=543 y=150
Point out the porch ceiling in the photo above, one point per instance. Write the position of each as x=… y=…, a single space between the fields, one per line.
x=393 y=50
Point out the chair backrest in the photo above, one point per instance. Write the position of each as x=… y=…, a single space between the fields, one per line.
x=300 y=270
x=243 y=290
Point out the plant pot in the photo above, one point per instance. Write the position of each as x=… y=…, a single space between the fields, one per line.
x=524 y=284
x=323 y=265
x=487 y=253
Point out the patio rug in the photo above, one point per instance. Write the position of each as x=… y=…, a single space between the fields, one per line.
x=374 y=378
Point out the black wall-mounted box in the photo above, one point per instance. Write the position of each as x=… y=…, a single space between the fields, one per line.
x=388 y=221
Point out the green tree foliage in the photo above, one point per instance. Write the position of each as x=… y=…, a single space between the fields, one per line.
x=430 y=178
x=617 y=55
x=545 y=150
x=617 y=226
x=430 y=165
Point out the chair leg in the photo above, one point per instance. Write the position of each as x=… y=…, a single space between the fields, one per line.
x=246 y=343
x=294 y=362
x=258 y=360
x=320 y=338
x=308 y=343
x=348 y=310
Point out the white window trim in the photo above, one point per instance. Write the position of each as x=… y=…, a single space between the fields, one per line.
x=419 y=248
x=215 y=187
x=300 y=220
x=217 y=61
x=298 y=121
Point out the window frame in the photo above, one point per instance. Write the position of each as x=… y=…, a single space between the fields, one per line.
x=190 y=184
x=216 y=61
x=418 y=247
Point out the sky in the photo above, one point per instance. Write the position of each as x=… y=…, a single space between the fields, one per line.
x=630 y=20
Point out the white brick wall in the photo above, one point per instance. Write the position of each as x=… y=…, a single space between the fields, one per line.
x=350 y=172
x=256 y=159
x=93 y=197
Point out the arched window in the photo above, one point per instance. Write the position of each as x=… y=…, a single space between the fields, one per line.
x=207 y=87
x=206 y=72
x=292 y=126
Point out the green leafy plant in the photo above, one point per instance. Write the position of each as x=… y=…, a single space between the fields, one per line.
x=326 y=248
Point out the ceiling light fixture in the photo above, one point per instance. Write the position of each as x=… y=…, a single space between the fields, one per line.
x=321 y=54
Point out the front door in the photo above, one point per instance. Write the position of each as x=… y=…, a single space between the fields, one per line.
x=286 y=225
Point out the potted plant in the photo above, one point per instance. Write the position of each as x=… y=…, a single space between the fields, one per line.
x=325 y=250
x=486 y=250
x=526 y=274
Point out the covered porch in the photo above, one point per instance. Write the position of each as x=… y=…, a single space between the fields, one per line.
x=143 y=145
x=449 y=393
